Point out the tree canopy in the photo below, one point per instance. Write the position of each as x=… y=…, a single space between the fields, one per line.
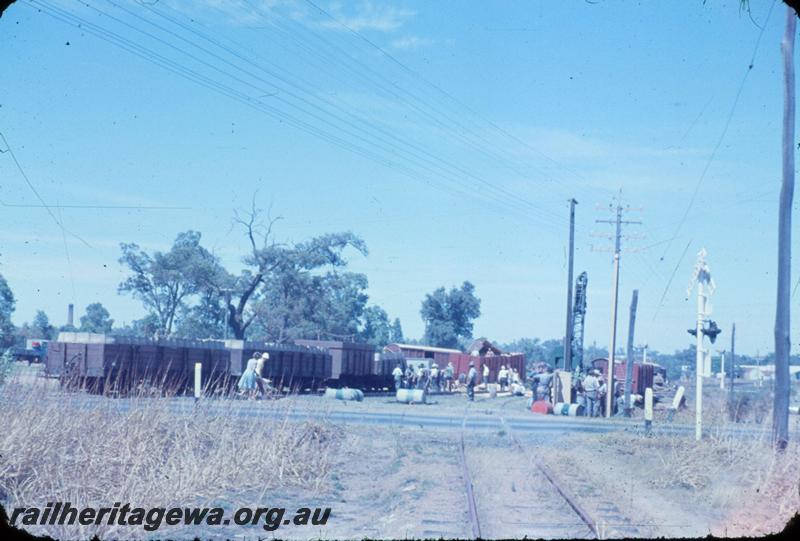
x=284 y=290
x=449 y=315
x=7 y=306
x=163 y=282
x=97 y=319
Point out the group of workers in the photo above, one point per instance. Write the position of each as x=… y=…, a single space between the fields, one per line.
x=433 y=378
x=424 y=377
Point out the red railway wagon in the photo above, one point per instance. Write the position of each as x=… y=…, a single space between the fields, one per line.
x=494 y=362
x=642 y=374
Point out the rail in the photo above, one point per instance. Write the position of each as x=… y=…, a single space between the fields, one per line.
x=471 y=505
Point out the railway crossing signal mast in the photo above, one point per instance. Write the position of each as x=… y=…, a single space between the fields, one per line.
x=618 y=209
x=705 y=288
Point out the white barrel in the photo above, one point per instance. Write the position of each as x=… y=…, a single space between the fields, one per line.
x=569 y=410
x=411 y=396
x=345 y=394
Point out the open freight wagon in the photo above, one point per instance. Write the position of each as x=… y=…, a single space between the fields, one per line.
x=295 y=367
x=124 y=365
x=129 y=365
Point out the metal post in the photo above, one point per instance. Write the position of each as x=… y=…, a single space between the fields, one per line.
x=198 y=380
x=568 y=333
x=698 y=419
x=648 y=410
x=722 y=370
x=629 y=360
x=644 y=354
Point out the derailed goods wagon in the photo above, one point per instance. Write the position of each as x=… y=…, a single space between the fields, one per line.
x=494 y=362
x=642 y=376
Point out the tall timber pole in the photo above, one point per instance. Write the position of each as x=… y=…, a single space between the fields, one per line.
x=733 y=358
x=613 y=346
x=570 y=325
x=629 y=358
x=618 y=222
x=780 y=411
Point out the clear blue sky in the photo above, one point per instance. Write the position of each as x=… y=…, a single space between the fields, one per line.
x=552 y=100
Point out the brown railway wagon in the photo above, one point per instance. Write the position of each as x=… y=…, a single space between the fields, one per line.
x=289 y=365
x=352 y=363
x=105 y=363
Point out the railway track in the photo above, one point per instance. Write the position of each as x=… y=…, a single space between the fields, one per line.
x=596 y=510
x=518 y=502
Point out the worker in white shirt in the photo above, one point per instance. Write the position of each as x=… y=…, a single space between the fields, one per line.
x=591 y=388
x=485 y=376
x=502 y=378
x=397 y=374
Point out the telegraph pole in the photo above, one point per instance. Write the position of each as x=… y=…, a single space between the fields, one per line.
x=629 y=360
x=783 y=346
x=618 y=222
x=733 y=357
x=568 y=333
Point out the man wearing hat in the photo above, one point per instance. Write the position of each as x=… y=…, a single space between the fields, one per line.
x=472 y=378
x=591 y=388
x=262 y=383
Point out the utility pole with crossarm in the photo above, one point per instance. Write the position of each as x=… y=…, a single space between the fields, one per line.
x=618 y=222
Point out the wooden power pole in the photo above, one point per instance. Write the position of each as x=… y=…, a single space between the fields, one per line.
x=629 y=359
x=733 y=359
x=618 y=222
x=570 y=323
x=780 y=411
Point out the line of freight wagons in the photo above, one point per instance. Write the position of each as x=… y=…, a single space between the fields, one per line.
x=107 y=363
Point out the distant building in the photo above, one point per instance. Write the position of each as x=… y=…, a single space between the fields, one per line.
x=755 y=372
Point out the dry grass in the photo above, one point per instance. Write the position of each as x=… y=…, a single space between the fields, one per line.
x=742 y=474
x=734 y=486
x=720 y=410
x=94 y=452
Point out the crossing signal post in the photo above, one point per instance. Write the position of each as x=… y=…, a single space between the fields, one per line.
x=705 y=288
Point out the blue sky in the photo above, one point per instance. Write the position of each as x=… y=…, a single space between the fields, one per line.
x=449 y=135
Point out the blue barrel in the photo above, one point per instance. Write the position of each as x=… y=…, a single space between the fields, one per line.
x=345 y=394
x=569 y=410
